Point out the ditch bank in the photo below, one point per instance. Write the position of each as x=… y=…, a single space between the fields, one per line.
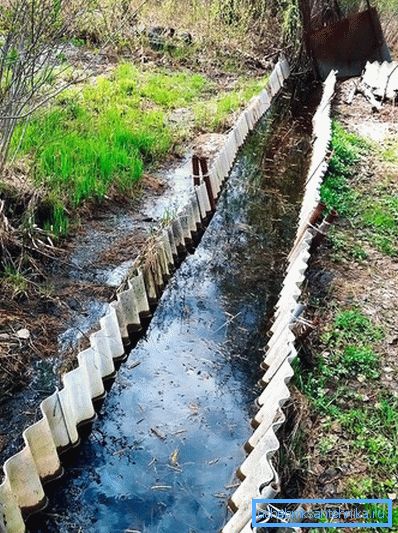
x=84 y=279
x=343 y=428
x=71 y=405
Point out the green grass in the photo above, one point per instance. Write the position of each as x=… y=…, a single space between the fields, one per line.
x=100 y=138
x=344 y=388
x=390 y=153
x=345 y=248
x=360 y=359
x=381 y=219
x=375 y=431
x=336 y=192
x=214 y=113
x=15 y=281
x=367 y=421
x=351 y=325
x=373 y=213
x=349 y=352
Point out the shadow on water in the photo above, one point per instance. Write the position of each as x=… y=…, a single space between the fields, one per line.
x=162 y=455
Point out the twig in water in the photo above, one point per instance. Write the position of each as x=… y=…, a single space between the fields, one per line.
x=229 y=321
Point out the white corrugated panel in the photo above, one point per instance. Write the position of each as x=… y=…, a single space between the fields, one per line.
x=257 y=469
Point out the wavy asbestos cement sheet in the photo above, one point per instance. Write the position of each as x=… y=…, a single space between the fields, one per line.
x=21 y=492
x=382 y=79
x=258 y=476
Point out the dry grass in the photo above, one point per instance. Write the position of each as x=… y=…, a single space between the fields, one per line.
x=228 y=34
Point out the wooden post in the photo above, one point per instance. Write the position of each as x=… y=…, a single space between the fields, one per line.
x=195 y=170
x=206 y=178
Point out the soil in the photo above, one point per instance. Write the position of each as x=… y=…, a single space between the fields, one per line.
x=338 y=283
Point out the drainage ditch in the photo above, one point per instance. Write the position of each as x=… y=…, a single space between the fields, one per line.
x=162 y=455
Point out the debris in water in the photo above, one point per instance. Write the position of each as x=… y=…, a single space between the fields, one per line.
x=161 y=487
x=152 y=462
x=158 y=434
x=227 y=322
x=133 y=364
x=119 y=452
x=174 y=457
x=232 y=486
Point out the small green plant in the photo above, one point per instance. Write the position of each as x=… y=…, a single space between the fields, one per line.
x=215 y=113
x=168 y=215
x=360 y=487
x=336 y=192
x=58 y=222
x=349 y=353
x=15 y=281
x=360 y=359
x=344 y=248
x=327 y=443
x=382 y=220
x=76 y=41
x=358 y=253
x=379 y=217
x=354 y=325
x=291 y=21
x=390 y=154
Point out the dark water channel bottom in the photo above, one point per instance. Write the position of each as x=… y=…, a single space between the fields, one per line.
x=162 y=455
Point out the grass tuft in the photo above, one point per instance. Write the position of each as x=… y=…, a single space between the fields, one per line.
x=360 y=359
x=336 y=192
x=352 y=324
x=15 y=281
x=214 y=113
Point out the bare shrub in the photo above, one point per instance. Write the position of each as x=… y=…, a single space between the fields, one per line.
x=33 y=36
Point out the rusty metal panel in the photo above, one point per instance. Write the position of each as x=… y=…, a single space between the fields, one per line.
x=347 y=45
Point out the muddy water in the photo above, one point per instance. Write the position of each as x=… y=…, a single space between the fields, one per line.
x=87 y=264
x=162 y=455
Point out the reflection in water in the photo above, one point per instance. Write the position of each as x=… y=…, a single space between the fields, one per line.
x=162 y=456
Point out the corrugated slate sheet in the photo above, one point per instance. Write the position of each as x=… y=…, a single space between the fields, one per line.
x=258 y=475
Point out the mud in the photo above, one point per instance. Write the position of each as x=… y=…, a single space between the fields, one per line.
x=162 y=455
